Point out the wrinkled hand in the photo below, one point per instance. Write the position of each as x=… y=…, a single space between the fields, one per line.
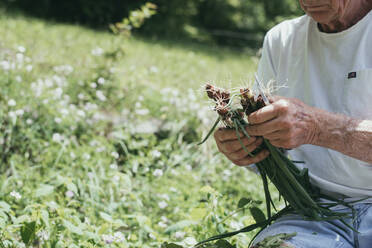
x=228 y=143
x=286 y=123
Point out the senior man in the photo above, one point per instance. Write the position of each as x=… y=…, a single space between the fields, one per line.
x=325 y=59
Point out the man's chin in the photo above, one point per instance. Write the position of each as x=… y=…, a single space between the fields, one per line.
x=322 y=17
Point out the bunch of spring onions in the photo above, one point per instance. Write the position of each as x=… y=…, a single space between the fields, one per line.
x=293 y=184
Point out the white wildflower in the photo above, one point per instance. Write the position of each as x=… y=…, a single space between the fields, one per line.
x=142 y=111
x=43 y=235
x=64 y=111
x=81 y=96
x=155 y=154
x=16 y=195
x=115 y=155
x=58 y=93
x=86 y=220
x=174 y=172
x=108 y=239
x=72 y=155
x=179 y=235
x=12 y=102
x=119 y=237
x=19 y=57
x=18 y=79
x=65 y=69
x=29 y=121
x=113 y=166
x=154 y=69
x=57 y=120
x=157 y=173
x=191 y=241
x=138 y=105
x=162 y=224
x=5 y=65
x=116 y=178
x=152 y=236
x=48 y=82
x=173 y=189
x=100 y=95
x=93 y=85
x=188 y=167
x=162 y=204
x=21 y=49
x=81 y=113
x=58 y=80
x=101 y=81
x=29 y=68
x=165 y=197
x=101 y=149
x=97 y=51
x=20 y=112
x=57 y=137
x=12 y=115
x=86 y=156
x=69 y=194
x=227 y=172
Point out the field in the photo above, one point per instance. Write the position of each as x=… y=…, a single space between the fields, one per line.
x=98 y=140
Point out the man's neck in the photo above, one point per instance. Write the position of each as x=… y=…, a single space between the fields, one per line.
x=354 y=13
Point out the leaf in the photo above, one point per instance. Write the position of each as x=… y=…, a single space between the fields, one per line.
x=257 y=214
x=5 y=206
x=221 y=228
x=171 y=245
x=28 y=232
x=72 y=228
x=243 y=201
x=179 y=226
x=276 y=240
x=198 y=213
x=45 y=217
x=223 y=244
x=44 y=190
x=105 y=216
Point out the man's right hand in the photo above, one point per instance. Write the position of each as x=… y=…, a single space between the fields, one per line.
x=228 y=143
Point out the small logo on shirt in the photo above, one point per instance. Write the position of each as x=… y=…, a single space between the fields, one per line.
x=352 y=74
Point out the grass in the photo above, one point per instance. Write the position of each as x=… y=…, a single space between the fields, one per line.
x=98 y=140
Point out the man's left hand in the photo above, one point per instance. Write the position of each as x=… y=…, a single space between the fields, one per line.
x=286 y=123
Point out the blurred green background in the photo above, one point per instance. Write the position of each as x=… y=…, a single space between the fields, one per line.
x=224 y=22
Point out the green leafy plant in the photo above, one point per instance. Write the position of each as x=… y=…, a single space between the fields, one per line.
x=299 y=195
x=135 y=19
x=28 y=231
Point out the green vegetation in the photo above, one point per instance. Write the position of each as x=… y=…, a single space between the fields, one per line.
x=238 y=23
x=98 y=140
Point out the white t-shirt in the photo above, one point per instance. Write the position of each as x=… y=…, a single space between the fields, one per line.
x=330 y=71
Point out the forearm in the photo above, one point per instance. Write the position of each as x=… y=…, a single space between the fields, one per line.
x=344 y=134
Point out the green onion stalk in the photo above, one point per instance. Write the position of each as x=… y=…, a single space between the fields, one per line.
x=292 y=183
